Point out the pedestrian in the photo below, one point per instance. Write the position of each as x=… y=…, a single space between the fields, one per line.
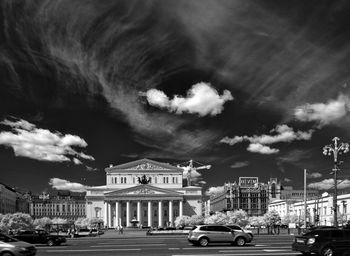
x=121 y=229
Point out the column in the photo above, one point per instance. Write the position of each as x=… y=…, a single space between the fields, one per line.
x=127 y=213
x=160 y=214
x=117 y=214
x=109 y=215
x=150 y=213
x=139 y=212
x=171 y=213
x=105 y=212
x=181 y=208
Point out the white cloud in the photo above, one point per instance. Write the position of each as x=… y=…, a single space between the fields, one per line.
x=239 y=164
x=287 y=180
x=77 y=161
x=232 y=141
x=324 y=113
x=282 y=133
x=314 y=175
x=215 y=190
x=27 y=140
x=259 y=148
x=201 y=99
x=61 y=184
x=329 y=183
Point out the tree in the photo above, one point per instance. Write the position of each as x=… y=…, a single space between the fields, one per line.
x=42 y=222
x=59 y=221
x=239 y=217
x=256 y=221
x=217 y=218
x=272 y=218
x=182 y=221
x=16 y=221
x=289 y=218
x=196 y=220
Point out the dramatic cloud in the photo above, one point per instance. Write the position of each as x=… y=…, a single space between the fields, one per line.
x=27 y=140
x=282 y=133
x=314 y=175
x=201 y=99
x=61 y=184
x=329 y=183
x=324 y=113
x=259 y=148
x=212 y=191
x=240 y=164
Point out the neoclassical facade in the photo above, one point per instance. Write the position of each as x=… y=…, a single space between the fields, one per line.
x=143 y=192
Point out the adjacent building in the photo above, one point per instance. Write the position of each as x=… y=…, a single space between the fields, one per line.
x=143 y=192
x=248 y=194
x=8 y=198
x=65 y=205
x=319 y=209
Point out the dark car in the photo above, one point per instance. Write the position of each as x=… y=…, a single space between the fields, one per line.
x=39 y=237
x=204 y=234
x=325 y=242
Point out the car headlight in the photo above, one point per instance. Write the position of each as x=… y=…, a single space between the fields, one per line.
x=311 y=240
x=23 y=249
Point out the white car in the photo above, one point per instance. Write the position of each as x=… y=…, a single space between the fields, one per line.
x=12 y=247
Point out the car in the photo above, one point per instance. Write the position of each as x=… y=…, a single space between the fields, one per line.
x=12 y=247
x=324 y=241
x=204 y=234
x=39 y=236
x=239 y=229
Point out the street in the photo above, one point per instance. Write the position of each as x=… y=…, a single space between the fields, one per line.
x=166 y=245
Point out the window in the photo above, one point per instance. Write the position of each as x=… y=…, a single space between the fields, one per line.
x=150 y=179
x=57 y=208
x=145 y=213
x=63 y=208
x=155 y=179
x=115 y=180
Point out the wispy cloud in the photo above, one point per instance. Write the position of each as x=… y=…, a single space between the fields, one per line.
x=239 y=164
x=215 y=190
x=324 y=113
x=314 y=175
x=201 y=99
x=329 y=183
x=258 y=143
x=27 y=140
x=61 y=184
x=287 y=180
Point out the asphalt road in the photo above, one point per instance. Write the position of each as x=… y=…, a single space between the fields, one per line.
x=166 y=245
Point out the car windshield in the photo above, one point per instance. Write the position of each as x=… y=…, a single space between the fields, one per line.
x=7 y=239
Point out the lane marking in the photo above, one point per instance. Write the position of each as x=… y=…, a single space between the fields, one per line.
x=241 y=254
x=173 y=248
x=131 y=245
x=93 y=250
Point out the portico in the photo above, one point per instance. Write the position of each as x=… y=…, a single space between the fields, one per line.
x=143 y=193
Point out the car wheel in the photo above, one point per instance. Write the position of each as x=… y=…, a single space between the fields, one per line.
x=240 y=241
x=327 y=251
x=50 y=243
x=203 y=241
x=6 y=254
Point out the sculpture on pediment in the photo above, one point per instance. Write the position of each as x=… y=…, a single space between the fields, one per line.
x=143 y=180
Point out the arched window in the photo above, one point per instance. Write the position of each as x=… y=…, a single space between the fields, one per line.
x=273 y=190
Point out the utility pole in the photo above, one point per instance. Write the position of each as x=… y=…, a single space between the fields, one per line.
x=335 y=149
x=305 y=198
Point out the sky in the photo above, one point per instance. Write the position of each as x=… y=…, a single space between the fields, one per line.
x=252 y=88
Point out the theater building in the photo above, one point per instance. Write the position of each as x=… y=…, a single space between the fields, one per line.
x=143 y=192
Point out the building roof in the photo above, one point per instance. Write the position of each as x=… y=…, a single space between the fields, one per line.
x=144 y=165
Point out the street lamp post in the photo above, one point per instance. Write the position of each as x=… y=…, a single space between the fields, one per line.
x=335 y=149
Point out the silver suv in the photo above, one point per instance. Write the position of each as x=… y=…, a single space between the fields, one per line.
x=12 y=247
x=204 y=234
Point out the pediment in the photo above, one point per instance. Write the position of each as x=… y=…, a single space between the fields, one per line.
x=143 y=190
x=144 y=165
